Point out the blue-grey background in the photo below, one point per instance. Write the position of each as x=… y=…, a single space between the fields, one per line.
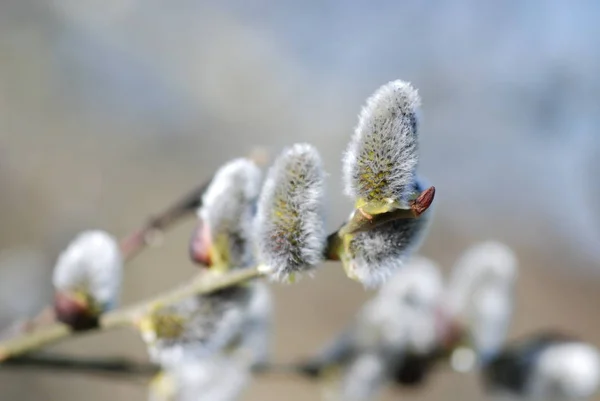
x=111 y=108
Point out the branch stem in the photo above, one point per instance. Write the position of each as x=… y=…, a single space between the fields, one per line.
x=132 y=244
x=135 y=242
x=53 y=333
x=203 y=284
x=118 y=366
x=123 y=366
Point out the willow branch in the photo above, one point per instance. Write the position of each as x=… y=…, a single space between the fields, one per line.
x=53 y=333
x=204 y=284
x=133 y=243
x=117 y=366
x=114 y=366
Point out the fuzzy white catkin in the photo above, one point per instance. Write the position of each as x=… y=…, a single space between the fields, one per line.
x=567 y=371
x=290 y=225
x=403 y=311
x=228 y=207
x=209 y=324
x=488 y=262
x=547 y=366
x=398 y=321
x=382 y=157
x=379 y=253
x=92 y=263
x=418 y=290
x=480 y=294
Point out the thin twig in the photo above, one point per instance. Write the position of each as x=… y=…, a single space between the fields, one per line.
x=56 y=332
x=113 y=365
x=133 y=243
x=125 y=367
x=274 y=368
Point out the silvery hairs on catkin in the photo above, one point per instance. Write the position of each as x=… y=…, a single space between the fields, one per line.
x=382 y=157
x=399 y=320
x=92 y=264
x=401 y=317
x=480 y=294
x=566 y=371
x=544 y=366
x=209 y=323
x=406 y=306
x=228 y=207
x=488 y=263
x=290 y=219
x=375 y=255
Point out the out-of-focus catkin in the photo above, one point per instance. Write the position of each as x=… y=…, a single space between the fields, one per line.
x=223 y=237
x=87 y=278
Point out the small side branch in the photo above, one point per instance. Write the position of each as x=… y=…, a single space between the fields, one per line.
x=53 y=333
x=62 y=363
x=132 y=244
x=116 y=366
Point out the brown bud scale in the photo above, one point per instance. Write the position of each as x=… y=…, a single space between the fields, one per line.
x=74 y=313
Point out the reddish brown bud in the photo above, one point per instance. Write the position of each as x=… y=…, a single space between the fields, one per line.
x=201 y=244
x=75 y=313
x=422 y=203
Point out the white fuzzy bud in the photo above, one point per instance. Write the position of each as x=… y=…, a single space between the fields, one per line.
x=374 y=256
x=290 y=220
x=392 y=338
x=403 y=311
x=545 y=367
x=227 y=211
x=381 y=158
x=568 y=371
x=480 y=294
x=490 y=263
x=197 y=327
x=91 y=265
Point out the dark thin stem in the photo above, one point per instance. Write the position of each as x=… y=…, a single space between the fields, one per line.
x=135 y=242
x=132 y=244
x=122 y=366
x=62 y=363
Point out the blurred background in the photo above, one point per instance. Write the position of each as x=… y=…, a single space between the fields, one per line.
x=110 y=109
